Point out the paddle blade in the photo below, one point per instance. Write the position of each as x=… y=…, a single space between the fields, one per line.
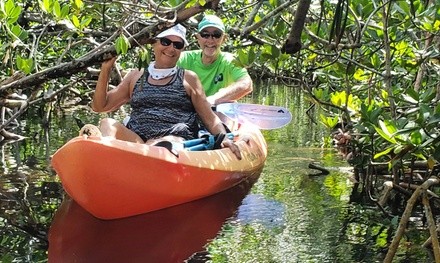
x=264 y=117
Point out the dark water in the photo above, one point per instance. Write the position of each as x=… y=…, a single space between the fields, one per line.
x=290 y=214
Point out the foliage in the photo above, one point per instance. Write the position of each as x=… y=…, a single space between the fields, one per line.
x=372 y=64
x=371 y=67
x=389 y=69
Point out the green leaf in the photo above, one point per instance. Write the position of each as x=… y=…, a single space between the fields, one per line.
x=395 y=221
x=75 y=21
x=374 y=115
x=318 y=93
x=338 y=98
x=407 y=130
x=413 y=94
x=397 y=149
x=25 y=65
x=15 y=12
x=251 y=56
x=427 y=26
x=57 y=9
x=388 y=126
x=329 y=122
x=12 y=11
x=437 y=108
x=122 y=45
x=64 y=11
x=405 y=8
x=85 y=21
x=375 y=60
x=144 y=58
x=47 y=6
x=242 y=57
x=18 y=32
x=428 y=95
x=425 y=112
x=274 y=51
x=384 y=94
x=416 y=138
x=433 y=119
x=419 y=155
x=79 y=4
x=9 y=6
x=384 y=132
x=382 y=153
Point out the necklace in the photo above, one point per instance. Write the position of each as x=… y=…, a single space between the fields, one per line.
x=160 y=73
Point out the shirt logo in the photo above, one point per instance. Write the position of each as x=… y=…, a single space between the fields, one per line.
x=218 y=78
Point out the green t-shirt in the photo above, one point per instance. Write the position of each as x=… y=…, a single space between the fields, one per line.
x=215 y=76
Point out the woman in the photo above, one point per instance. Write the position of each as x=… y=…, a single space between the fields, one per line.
x=165 y=99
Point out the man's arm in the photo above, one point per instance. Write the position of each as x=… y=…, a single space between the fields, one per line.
x=233 y=92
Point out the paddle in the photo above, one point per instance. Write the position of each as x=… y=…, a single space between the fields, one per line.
x=263 y=116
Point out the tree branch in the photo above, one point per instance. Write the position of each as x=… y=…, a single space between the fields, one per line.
x=98 y=55
x=293 y=42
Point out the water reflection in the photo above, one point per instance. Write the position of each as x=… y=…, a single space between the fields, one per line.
x=256 y=209
x=168 y=235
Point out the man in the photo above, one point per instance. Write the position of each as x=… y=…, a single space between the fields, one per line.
x=221 y=79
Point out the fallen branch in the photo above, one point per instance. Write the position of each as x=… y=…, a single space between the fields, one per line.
x=319 y=168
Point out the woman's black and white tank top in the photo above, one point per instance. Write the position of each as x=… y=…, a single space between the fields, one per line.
x=160 y=110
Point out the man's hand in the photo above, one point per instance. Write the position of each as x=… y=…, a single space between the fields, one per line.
x=234 y=147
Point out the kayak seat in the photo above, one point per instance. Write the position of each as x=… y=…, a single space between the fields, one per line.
x=167 y=145
x=214 y=142
x=206 y=142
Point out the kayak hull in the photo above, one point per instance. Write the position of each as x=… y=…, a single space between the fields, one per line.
x=114 y=179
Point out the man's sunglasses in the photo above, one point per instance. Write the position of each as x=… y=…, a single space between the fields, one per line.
x=215 y=34
x=166 y=42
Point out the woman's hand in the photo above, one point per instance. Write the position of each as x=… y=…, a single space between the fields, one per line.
x=108 y=64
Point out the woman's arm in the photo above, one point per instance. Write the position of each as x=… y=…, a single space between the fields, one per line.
x=212 y=122
x=104 y=100
x=203 y=107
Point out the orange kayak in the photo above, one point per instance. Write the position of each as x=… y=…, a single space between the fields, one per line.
x=114 y=179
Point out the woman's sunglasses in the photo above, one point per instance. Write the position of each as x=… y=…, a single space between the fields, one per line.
x=215 y=34
x=166 y=42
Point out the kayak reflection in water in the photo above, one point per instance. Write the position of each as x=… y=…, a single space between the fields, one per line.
x=166 y=101
x=169 y=235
